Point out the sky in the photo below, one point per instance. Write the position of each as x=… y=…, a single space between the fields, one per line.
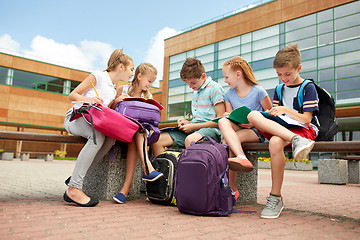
x=82 y=34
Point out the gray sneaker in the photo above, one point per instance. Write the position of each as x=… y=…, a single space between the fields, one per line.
x=273 y=207
x=301 y=147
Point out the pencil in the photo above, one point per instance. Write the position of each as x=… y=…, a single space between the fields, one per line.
x=94 y=88
x=185 y=117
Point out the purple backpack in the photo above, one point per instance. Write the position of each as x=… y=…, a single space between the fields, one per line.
x=145 y=113
x=202 y=180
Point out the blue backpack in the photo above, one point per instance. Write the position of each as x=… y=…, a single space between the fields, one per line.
x=325 y=119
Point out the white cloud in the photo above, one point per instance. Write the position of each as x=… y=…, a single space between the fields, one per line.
x=89 y=55
x=8 y=45
x=155 y=53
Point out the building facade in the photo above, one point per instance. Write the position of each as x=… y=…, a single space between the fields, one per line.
x=327 y=32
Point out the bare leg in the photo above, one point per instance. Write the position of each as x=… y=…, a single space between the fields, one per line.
x=194 y=137
x=270 y=126
x=276 y=148
x=140 y=139
x=131 y=161
x=165 y=140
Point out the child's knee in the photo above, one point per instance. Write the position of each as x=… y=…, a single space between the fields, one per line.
x=253 y=116
x=223 y=122
x=194 y=137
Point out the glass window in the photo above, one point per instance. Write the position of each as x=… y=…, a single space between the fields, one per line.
x=347 y=22
x=266 y=43
x=265 y=74
x=206 y=58
x=309 y=75
x=265 y=53
x=308 y=54
x=325 y=27
x=174 y=75
x=176 y=110
x=302 y=33
x=269 y=83
x=309 y=65
x=262 y=64
x=204 y=50
x=176 y=82
x=326 y=39
x=176 y=66
x=326 y=74
x=347 y=46
x=347 y=34
x=25 y=75
x=178 y=58
x=348 y=84
x=326 y=62
x=307 y=43
x=74 y=84
x=229 y=52
x=176 y=98
x=176 y=90
x=245 y=48
x=3 y=74
x=325 y=15
x=325 y=50
x=353 y=96
x=247 y=57
x=348 y=71
x=328 y=86
x=24 y=83
x=300 y=22
x=347 y=58
x=208 y=66
x=266 y=32
x=246 y=38
x=347 y=9
x=229 y=43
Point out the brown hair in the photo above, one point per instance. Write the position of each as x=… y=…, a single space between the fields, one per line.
x=192 y=68
x=288 y=56
x=144 y=69
x=116 y=58
x=239 y=64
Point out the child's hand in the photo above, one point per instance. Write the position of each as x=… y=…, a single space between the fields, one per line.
x=182 y=122
x=187 y=128
x=275 y=111
x=121 y=98
x=226 y=114
x=96 y=99
x=248 y=126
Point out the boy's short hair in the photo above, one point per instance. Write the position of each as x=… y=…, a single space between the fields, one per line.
x=288 y=56
x=192 y=68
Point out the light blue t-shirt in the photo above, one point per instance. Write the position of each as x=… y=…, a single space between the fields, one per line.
x=252 y=100
x=204 y=101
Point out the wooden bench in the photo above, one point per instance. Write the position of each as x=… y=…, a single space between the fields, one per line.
x=39 y=137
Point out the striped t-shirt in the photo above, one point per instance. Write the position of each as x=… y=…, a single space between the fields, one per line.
x=204 y=101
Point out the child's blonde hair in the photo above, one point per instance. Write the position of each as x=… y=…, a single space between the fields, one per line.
x=116 y=58
x=288 y=56
x=237 y=63
x=144 y=69
x=192 y=68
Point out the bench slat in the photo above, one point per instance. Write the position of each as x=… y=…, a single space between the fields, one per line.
x=337 y=146
x=41 y=137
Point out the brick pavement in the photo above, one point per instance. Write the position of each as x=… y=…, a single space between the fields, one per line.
x=31 y=207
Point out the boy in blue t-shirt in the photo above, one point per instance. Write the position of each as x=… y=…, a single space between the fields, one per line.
x=207 y=103
x=287 y=63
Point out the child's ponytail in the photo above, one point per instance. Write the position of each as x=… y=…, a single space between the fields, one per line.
x=116 y=58
x=237 y=63
x=143 y=68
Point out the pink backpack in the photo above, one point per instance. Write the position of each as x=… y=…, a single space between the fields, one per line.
x=108 y=122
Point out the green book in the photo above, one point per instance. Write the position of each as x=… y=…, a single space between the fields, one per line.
x=238 y=116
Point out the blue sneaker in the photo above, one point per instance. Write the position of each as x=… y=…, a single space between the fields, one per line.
x=120 y=198
x=153 y=176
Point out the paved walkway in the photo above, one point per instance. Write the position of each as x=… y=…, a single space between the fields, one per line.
x=31 y=207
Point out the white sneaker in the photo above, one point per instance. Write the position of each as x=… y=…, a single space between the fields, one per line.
x=273 y=208
x=301 y=147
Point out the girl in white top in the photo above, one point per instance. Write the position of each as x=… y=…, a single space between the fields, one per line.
x=120 y=67
x=145 y=75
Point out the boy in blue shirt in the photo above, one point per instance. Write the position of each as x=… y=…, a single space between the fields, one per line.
x=287 y=63
x=207 y=103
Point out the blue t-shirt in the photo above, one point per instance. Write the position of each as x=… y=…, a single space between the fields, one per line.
x=252 y=100
x=289 y=96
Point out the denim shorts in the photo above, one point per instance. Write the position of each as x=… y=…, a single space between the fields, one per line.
x=179 y=136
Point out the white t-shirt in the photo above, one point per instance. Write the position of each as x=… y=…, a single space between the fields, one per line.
x=104 y=87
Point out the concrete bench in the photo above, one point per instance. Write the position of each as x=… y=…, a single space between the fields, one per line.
x=246 y=183
x=340 y=170
x=47 y=156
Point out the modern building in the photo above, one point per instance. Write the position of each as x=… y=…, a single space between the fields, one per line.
x=34 y=98
x=328 y=35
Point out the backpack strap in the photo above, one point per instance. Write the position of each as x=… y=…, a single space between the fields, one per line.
x=300 y=93
x=278 y=91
